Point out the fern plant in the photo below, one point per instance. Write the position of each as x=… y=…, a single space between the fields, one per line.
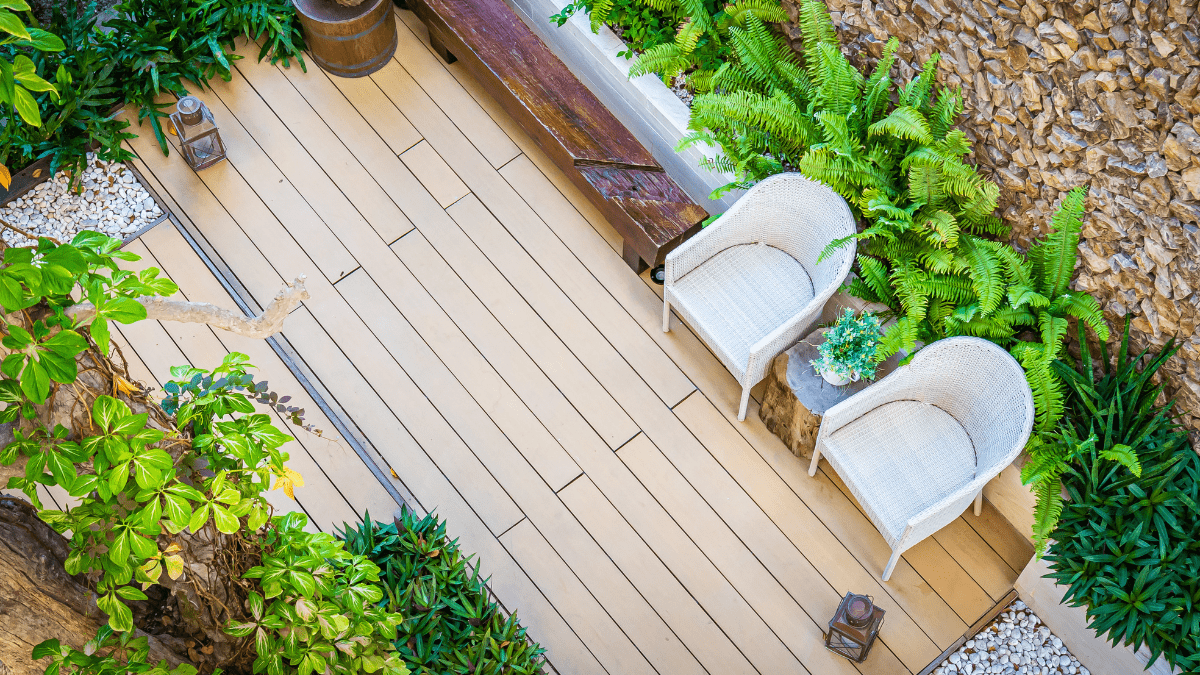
x=700 y=45
x=929 y=247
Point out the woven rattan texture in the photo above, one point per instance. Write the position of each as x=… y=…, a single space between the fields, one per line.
x=972 y=381
x=749 y=284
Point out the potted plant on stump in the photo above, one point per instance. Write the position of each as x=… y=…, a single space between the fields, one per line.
x=348 y=38
x=848 y=350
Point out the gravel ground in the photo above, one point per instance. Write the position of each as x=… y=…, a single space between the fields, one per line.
x=111 y=201
x=1016 y=642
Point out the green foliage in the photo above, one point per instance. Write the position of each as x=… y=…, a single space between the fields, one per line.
x=19 y=80
x=451 y=624
x=701 y=44
x=642 y=26
x=130 y=489
x=81 y=113
x=1116 y=414
x=928 y=249
x=109 y=653
x=850 y=346
x=152 y=48
x=320 y=608
x=1127 y=544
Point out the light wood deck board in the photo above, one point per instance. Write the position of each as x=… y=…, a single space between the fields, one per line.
x=503 y=347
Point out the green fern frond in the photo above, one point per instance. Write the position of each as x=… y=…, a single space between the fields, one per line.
x=1054 y=257
x=986 y=276
x=1084 y=307
x=873 y=273
x=1046 y=513
x=925 y=183
x=945 y=113
x=838 y=84
x=816 y=27
x=901 y=335
x=666 y=60
x=879 y=85
x=940 y=228
x=913 y=298
x=1047 y=461
x=601 y=9
x=768 y=11
x=688 y=36
x=917 y=93
x=1125 y=456
x=903 y=122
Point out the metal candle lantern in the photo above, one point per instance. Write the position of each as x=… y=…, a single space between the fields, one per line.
x=193 y=122
x=854 y=627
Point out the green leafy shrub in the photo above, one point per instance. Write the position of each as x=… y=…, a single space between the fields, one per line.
x=1127 y=546
x=18 y=79
x=109 y=653
x=1115 y=415
x=929 y=249
x=642 y=26
x=80 y=113
x=151 y=48
x=325 y=614
x=849 y=347
x=451 y=624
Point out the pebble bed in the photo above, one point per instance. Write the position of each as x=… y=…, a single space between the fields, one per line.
x=1016 y=642
x=111 y=200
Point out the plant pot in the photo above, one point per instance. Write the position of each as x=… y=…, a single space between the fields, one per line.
x=348 y=41
x=838 y=380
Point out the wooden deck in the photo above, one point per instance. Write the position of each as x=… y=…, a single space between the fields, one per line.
x=471 y=317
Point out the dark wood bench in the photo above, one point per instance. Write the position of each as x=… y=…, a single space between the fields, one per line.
x=650 y=212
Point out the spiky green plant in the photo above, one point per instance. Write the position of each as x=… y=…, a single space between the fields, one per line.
x=1116 y=414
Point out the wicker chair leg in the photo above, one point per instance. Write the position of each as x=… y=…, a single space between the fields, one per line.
x=666 y=315
x=887 y=571
x=812 y=466
x=745 y=403
x=979 y=503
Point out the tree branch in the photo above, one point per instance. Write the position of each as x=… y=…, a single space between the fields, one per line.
x=262 y=326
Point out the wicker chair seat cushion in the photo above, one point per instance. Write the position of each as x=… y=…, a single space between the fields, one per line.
x=740 y=295
x=901 y=458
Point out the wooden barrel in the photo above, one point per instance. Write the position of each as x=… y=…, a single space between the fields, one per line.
x=348 y=41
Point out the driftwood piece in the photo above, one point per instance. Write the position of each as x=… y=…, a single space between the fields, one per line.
x=262 y=326
x=38 y=599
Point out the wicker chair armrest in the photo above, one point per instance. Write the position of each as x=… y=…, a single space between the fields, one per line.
x=943 y=512
x=730 y=229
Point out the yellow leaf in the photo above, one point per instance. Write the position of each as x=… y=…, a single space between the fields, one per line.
x=125 y=386
x=173 y=548
x=5 y=177
x=174 y=566
x=37 y=173
x=171 y=129
x=152 y=570
x=294 y=480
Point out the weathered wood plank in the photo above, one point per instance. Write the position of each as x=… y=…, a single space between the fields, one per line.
x=568 y=122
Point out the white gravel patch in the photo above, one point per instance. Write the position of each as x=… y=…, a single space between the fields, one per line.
x=1016 y=642
x=111 y=200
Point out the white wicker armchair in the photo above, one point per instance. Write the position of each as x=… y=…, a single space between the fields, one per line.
x=749 y=284
x=918 y=446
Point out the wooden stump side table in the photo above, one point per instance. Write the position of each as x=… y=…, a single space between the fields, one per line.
x=797 y=396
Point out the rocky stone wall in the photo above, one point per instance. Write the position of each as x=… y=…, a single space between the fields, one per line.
x=1061 y=94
